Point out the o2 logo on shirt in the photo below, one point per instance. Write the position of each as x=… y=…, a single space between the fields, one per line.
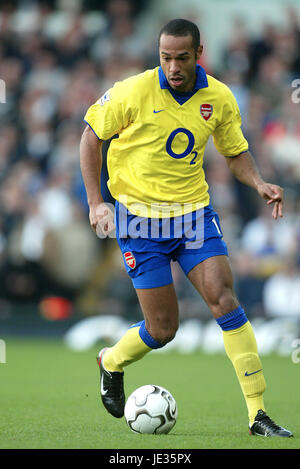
x=103 y=99
x=189 y=148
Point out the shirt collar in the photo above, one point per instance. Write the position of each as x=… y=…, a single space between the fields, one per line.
x=201 y=79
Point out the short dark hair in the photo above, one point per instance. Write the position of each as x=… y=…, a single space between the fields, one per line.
x=180 y=27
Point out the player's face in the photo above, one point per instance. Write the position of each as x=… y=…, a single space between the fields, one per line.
x=178 y=60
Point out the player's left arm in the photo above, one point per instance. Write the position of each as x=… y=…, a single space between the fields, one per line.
x=244 y=168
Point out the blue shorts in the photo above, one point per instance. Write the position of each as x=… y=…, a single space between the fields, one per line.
x=149 y=245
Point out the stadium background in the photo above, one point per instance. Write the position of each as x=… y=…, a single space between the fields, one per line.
x=57 y=58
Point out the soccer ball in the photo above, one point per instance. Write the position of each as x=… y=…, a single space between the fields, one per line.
x=151 y=409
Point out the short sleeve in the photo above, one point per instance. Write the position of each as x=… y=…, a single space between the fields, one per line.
x=228 y=136
x=107 y=116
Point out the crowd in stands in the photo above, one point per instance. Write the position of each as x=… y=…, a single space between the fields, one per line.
x=55 y=63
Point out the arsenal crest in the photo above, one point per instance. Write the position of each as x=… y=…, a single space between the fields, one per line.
x=206 y=111
x=130 y=259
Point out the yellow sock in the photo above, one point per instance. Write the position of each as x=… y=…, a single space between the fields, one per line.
x=241 y=348
x=129 y=349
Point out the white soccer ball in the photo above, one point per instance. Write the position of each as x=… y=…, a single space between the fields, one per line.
x=151 y=409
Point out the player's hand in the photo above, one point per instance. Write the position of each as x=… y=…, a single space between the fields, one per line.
x=274 y=195
x=102 y=220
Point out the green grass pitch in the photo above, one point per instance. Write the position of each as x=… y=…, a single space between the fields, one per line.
x=49 y=398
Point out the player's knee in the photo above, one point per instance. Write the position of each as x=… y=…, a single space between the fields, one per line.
x=167 y=336
x=223 y=301
x=163 y=335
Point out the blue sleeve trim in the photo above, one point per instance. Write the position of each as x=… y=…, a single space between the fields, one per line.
x=237 y=318
x=234 y=156
x=92 y=129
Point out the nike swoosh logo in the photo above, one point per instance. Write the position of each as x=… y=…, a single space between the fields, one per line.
x=253 y=372
x=156 y=112
x=103 y=391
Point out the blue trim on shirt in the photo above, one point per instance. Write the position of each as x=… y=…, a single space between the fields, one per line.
x=181 y=98
x=91 y=128
x=201 y=79
x=234 y=156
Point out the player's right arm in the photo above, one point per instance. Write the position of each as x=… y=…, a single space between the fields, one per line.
x=91 y=164
x=105 y=118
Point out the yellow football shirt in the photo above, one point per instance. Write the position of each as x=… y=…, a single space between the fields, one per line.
x=155 y=165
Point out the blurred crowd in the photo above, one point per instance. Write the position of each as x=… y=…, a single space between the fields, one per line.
x=55 y=63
